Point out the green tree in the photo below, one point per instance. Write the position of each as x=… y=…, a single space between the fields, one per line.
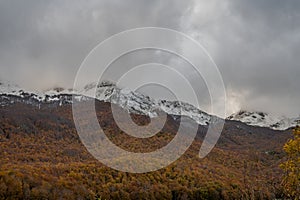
x=291 y=167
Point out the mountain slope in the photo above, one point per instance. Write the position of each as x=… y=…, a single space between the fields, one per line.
x=265 y=120
x=42 y=157
x=138 y=103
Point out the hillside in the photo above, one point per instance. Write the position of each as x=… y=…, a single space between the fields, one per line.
x=42 y=157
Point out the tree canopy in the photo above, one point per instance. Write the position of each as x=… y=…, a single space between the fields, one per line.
x=291 y=167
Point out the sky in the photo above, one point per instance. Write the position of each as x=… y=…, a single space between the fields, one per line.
x=255 y=44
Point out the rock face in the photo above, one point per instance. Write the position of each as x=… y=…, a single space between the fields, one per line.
x=133 y=102
x=265 y=120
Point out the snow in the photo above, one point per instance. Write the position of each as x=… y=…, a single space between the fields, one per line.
x=53 y=95
x=9 y=88
x=265 y=120
x=138 y=103
x=135 y=102
x=185 y=109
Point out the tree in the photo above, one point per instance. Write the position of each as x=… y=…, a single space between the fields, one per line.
x=291 y=167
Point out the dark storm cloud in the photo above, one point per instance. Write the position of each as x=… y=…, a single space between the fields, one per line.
x=46 y=41
x=256 y=44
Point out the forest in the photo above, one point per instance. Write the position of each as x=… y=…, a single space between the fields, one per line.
x=42 y=157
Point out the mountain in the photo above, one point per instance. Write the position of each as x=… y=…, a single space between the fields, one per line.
x=42 y=156
x=138 y=103
x=11 y=93
x=262 y=119
x=106 y=91
x=134 y=102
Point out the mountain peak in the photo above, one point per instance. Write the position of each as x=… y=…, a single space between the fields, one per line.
x=263 y=119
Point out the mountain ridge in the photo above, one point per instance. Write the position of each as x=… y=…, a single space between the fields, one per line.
x=262 y=119
x=135 y=103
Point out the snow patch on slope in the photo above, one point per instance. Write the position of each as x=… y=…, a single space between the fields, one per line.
x=54 y=95
x=265 y=120
x=135 y=102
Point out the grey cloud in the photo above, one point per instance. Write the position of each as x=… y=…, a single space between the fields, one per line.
x=51 y=38
x=256 y=44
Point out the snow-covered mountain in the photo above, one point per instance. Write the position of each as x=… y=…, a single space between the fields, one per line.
x=134 y=102
x=11 y=93
x=106 y=91
x=265 y=120
x=7 y=88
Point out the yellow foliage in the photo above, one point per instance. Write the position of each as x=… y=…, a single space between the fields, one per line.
x=291 y=167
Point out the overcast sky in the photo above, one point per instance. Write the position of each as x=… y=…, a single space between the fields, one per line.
x=255 y=43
